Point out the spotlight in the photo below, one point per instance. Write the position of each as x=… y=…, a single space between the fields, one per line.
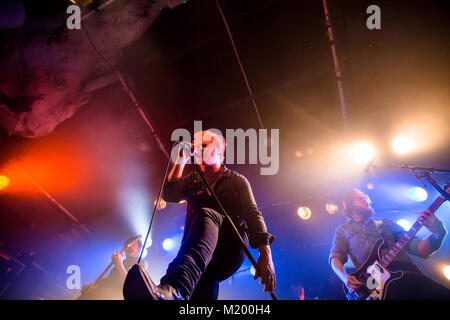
x=4 y=182
x=363 y=152
x=82 y=3
x=162 y=204
x=304 y=213
x=417 y=194
x=446 y=271
x=135 y=207
x=252 y=271
x=168 y=244
x=149 y=243
x=402 y=145
x=405 y=224
x=144 y=253
x=331 y=207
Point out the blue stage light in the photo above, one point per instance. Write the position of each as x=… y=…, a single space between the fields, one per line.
x=168 y=244
x=405 y=224
x=417 y=194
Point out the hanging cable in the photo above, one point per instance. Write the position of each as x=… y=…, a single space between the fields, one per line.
x=240 y=64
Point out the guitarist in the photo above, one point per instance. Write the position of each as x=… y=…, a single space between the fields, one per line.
x=110 y=287
x=356 y=237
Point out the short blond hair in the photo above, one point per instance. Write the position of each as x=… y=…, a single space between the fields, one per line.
x=214 y=137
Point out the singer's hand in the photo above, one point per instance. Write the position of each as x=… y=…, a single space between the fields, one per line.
x=266 y=270
x=183 y=155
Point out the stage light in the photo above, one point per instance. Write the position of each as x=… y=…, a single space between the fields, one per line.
x=81 y=3
x=252 y=271
x=162 y=204
x=168 y=244
x=4 y=182
x=417 y=194
x=136 y=210
x=304 y=213
x=363 y=152
x=402 y=145
x=446 y=271
x=144 y=253
x=149 y=243
x=331 y=207
x=405 y=224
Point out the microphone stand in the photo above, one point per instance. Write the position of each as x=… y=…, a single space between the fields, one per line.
x=224 y=213
x=421 y=173
x=156 y=206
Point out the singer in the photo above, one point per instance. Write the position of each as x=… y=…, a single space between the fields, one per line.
x=209 y=251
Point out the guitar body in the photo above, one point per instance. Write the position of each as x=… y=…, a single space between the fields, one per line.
x=375 y=278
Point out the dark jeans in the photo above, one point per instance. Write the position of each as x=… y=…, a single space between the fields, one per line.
x=417 y=287
x=210 y=252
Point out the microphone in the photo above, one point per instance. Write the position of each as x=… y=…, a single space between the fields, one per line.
x=189 y=148
x=369 y=165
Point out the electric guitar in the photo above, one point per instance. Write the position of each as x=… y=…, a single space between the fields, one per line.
x=374 y=273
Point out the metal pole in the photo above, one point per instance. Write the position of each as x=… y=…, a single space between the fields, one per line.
x=337 y=68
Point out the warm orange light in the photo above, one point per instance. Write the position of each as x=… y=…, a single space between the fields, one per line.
x=304 y=213
x=446 y=271
x=331 y=207
x=56 y=166
x=4 y=182
x=162 y=204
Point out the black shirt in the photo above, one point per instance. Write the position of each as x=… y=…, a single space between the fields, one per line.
x=235 y=195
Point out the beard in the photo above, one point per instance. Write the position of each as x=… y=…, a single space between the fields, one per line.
x=365 y=212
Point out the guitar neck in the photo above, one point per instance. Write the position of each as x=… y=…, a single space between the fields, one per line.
x=407 y=237
x=106 y=269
